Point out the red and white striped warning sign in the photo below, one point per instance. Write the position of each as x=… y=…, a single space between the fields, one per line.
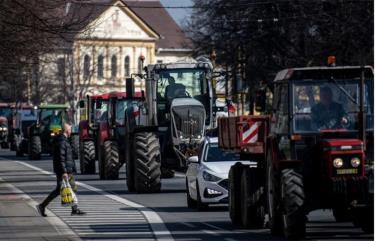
x=250 y=134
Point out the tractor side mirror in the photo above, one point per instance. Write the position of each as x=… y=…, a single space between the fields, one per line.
x=260 y=100
x=81 y=104
x=193 y=159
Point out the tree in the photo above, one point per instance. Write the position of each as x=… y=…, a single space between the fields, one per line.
x=257 y=38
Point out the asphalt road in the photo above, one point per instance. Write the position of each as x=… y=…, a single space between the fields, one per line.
x=170 y=205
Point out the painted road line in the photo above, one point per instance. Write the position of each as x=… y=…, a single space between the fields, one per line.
x=158 y=227
x=61 y=227
x=215 y=227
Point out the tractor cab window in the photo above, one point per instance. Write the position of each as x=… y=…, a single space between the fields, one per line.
x=54 y=116
x=6 y=112
x=325 y=105
x=100 y=111
x=181 y=83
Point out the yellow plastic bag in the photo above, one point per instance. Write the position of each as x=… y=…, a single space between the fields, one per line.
x=68 y=197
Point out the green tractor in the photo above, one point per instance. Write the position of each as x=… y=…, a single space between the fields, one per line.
x=49 y=123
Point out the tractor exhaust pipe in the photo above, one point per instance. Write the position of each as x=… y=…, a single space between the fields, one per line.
x=129 y=88
x=362 y=120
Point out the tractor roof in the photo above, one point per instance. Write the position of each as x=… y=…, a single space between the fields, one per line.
x=107 y=96
x=4 y=105
x=324 y=72
x=53 y=106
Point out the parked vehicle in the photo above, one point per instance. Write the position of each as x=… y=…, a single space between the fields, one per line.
x=177 y=109
x=23 y=117
x=5 y=114
x=49 y=124
x=312 y=151
x=93 y=109
x=207 y=174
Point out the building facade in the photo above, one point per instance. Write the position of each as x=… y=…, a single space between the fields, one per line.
x=114 y=40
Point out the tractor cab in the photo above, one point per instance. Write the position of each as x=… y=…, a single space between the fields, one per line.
x=52 y=117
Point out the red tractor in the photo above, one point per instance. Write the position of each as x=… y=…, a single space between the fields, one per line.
x=313 y=151
x=93 y=109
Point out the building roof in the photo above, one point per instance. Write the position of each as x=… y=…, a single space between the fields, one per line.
x=151 y=12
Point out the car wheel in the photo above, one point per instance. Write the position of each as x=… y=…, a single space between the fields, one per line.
x=191 y=203
x=200 y=205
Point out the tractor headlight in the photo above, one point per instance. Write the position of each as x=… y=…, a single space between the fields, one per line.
x=209 y=177
x=338 y=162
x=355 y=161
x=52 y=134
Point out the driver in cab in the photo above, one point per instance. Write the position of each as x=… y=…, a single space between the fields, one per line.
x=174 y=90
x=328 y=114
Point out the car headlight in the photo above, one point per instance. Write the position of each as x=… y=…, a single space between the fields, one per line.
x=355 y=161
x=52 y=134
x=209 y=177
x=338 y=162
x=1 y=128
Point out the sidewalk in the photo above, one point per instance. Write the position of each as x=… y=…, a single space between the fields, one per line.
x=19 y=220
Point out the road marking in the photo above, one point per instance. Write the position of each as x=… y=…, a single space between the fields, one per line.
x=230 y=239
x=158 y=227
x=61 y=227
x=179 y=174
x=215 y=227
x=189 y=225
x=210 y=232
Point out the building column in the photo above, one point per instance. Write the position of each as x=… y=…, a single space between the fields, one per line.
x=120 y=65
x=107 y=60
x=134 y=67
x=94 y=66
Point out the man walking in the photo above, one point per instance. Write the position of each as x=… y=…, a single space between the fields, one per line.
x=63 y=166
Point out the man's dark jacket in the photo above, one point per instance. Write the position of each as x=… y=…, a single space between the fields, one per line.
x=62 y=156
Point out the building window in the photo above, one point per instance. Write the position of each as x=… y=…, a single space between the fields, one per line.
x=159 y=61
x=100 y=67
x=127 y=66
x=61 y=69
x=114 y=66
x=86 y=67
x=140 y=64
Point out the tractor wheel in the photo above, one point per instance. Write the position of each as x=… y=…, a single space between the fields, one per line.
x=191 y=203
x=4 y=145
x=130 y=168
x=293 y=197
x=111 y=161
x=341 y=214
x=273 y=199
x=87 y=157
x=252 y=208
x=147 y=162
x=75 y=146
x=35 y=148
x=363 y=217
x=235 y=173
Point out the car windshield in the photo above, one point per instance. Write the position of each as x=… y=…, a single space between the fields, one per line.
x=53 y=116
x=5 y=112
x=327 y=105
x=215 y=154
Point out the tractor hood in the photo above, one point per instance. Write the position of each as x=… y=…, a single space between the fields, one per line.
x=188 y=119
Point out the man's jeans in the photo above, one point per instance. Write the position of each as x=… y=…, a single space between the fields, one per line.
x=56 y=192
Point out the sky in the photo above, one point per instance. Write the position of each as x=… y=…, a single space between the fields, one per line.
x=180 y=15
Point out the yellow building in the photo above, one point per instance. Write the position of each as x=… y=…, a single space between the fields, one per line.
x=112 y=41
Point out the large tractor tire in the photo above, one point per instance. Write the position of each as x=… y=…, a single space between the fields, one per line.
x=74 y=142
x=341 y=214
x=87 y=157
x=35 y=148
x=130 y=167
x=252 y=195
x=111 y=161
x=273 y=198
x=147 y=163
x=235 y=173
x=293 y=198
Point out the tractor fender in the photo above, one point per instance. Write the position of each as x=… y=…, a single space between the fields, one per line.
x=103 y=133
x=83 y=130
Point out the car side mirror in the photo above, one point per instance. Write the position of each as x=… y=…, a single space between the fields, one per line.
x=193 y=159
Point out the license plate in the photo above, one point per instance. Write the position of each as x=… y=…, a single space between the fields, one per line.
x=347 y=171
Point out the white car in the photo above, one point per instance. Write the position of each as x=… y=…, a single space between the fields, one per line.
x=207 y=175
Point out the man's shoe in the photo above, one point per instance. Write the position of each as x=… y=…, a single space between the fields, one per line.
x=41 y=210
x=78 y=212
